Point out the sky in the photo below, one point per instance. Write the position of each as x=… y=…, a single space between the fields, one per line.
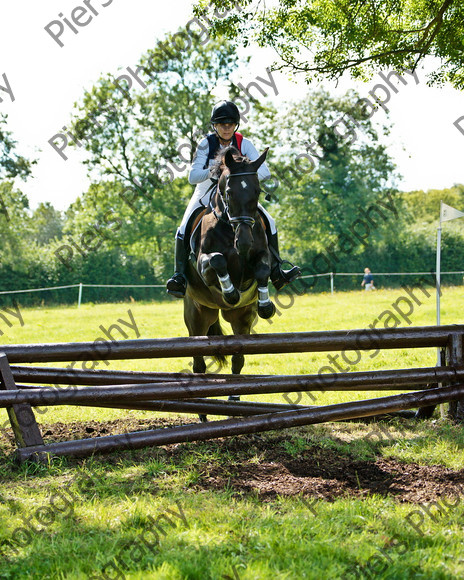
x=46 y=79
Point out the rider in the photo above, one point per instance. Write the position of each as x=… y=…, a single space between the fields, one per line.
x=225 y=119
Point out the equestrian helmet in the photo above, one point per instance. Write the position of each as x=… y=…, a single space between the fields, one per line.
x=225 y=112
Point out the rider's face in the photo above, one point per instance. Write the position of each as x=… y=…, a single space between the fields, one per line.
x=225 y=130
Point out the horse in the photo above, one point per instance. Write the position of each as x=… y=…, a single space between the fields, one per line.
x=230 y=268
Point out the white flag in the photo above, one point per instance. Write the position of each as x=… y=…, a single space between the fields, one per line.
x=449 y=213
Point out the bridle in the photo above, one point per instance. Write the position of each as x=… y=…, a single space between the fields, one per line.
x=235 y=221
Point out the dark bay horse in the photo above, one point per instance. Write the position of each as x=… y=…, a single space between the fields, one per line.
x=232 y=264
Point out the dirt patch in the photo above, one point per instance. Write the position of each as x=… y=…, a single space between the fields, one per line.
x=325 y=474
x=90 y=429
x=260 y=465
x=77 y=430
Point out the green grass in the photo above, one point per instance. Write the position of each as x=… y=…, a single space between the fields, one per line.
x=101 y=510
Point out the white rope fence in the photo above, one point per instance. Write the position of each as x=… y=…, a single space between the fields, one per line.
x=332 y=275
x=39 y=289
x=81 y=286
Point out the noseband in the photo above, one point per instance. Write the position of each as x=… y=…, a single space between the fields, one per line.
x=240 y=219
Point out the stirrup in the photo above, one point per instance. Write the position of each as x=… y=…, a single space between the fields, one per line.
x=281 y=278
x=177 y=285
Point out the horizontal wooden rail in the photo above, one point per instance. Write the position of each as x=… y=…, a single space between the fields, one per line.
x=104 y=349
x=53 y=375
x=202 y=407
x=187 y=389
x=257 y=424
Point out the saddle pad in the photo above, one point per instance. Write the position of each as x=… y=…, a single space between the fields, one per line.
x=216 y=298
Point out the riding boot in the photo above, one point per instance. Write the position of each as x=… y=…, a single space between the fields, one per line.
x=279 y=276
x=177 y=285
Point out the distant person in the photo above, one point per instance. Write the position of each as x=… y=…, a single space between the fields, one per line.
x=368 y=280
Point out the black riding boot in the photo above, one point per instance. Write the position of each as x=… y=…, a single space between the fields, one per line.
x=279 y=276
x=177 y=285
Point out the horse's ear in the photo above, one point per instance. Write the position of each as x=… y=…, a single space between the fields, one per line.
x=229 y=160
x=258 y=162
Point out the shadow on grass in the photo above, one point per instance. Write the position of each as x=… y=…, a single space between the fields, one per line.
x=220 y=543
x=350 y=453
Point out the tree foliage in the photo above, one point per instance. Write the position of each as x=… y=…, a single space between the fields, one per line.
x=345 y=172
x=423 y=207
x=327 y=160
x=141 y=140
x=11 y=163
x=325 y=38
x=47 y=223
x=124 y=224
x=15 y=222
x=147 y=136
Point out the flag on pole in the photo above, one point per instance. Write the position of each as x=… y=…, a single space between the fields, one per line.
x=448 y=213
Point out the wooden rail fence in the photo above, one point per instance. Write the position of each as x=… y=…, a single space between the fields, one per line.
x=186 y=393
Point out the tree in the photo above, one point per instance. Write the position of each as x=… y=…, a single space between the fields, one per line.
x=11 y=164
x=15 y=223
x=108 y=217
x=147 y=137
x=347 y=172
x=325 y=38
x=140 y=142
x=126 y=132
x=47 y=223
x=423 y=207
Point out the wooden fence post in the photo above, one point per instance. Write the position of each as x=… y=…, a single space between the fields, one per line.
x=427 y=412
x=22 y=418
x=455 y=358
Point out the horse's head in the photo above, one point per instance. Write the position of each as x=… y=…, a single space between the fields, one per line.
x=240 y=186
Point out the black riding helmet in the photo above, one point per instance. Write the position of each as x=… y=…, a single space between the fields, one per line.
x=225 y=112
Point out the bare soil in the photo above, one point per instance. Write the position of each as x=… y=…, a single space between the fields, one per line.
x=325 y=474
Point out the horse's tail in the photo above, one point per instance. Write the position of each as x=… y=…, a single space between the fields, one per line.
x=216 y=330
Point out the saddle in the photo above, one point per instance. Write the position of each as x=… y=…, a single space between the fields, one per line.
x=193 y=240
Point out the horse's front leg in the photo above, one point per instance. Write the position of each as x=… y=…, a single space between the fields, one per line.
x=266 y=308
x=214 y=266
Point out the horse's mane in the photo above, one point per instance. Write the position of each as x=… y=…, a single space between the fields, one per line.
x=218 y=167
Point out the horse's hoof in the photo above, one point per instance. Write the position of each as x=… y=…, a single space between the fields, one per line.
x=232 y=297
x=266 y=311
x=203 y=418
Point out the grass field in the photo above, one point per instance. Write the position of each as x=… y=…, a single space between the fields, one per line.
x=327 y=501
